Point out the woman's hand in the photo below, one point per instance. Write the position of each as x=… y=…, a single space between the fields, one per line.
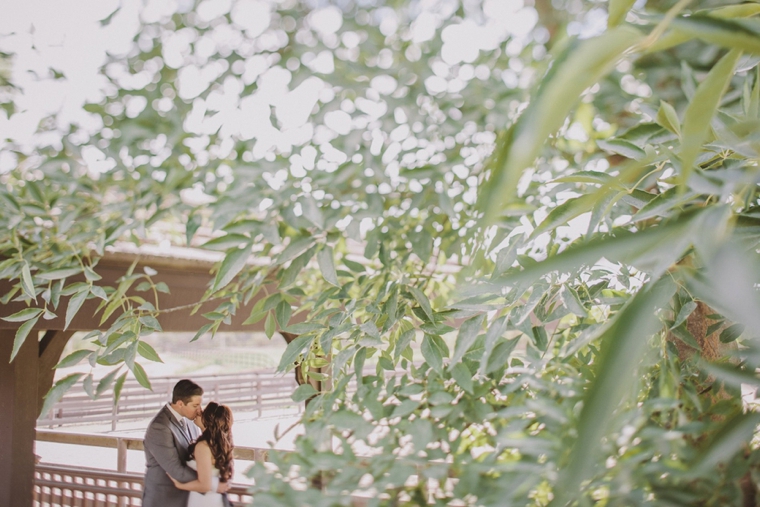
x=199 y=422
x=177 y=484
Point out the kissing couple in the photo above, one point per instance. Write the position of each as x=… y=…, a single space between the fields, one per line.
x=188 y=452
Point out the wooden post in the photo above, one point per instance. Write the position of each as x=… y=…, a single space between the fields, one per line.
x=18 y=406
x=121 y=465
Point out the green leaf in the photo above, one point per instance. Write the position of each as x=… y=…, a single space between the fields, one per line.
x=353 y=266
x=432 y=353
x=580 y=65
x=731 y=439
x=593 y=177
x=422 y=244
x=405 y=408
x=283 y=312
x=463 y=377
x=23 y=315
x=684 y=313
x=73 y=359
x=148 y=352
x=730 y=374
x=682 y=333
x=625 y=342
x=403 y=342
x=27 y=285
x=58 y=274
x=290 y=274
x=75 y=303
x=699 y=113
x=303 y=393
x=227 y=242
x=622 y=147
x=203 y=330
x=500 y=355
x=742 y=35
x=668 y=203
x=106 y=382
x=303 y=327
x=58 y=390
x=270 y=326
x=731 y=333
x=21 y=333
x=655 y=248
x=667 y=118
x=295 y=247
x=468 y=332
x=117 y=387
x=194 y=222
x=423 y=301
x=311 y=211
x=141 y=376
x=151 y=322
x=232 y=264
x=566 y=211
x=293 y=350
x=617 y=11
x=254 y=317
x=327 y=265
x=87 y=385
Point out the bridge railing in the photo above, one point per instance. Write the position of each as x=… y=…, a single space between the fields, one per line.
x=251 y=391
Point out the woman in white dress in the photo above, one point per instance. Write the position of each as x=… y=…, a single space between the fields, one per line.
x=211 y=456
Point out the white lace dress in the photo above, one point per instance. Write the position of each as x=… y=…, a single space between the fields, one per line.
x=210 y=499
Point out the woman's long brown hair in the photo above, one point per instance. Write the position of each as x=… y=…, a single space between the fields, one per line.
x=218 y=435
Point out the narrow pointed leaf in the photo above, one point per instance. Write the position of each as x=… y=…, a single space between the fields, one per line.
x=27 y=285
x=327 y=265
x=23 y=315
x=617 y=11
x=148 y=352
x=232 y=264
x=75 y=303
x=21 y=333
x=73 y=359
x=432 y=353
x=423 y=302
x=141 y=376
x=58 y=390
x=742 y=35
x=701 y=109
x=466 y=337
x=293 y=350
x=581 y=65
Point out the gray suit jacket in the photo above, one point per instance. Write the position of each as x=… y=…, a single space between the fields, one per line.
x=166 y=452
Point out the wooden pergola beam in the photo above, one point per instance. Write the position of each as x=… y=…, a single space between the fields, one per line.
x=187 y=282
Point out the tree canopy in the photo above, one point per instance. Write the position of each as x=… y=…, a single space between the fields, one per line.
x=556 y=203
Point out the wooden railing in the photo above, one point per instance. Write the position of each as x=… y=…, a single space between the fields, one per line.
x=59 y=485
x=70 y=486
x=254 y=391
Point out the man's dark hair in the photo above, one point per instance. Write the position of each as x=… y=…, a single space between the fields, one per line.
x=185 y=390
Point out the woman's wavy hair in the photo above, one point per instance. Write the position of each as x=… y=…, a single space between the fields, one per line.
x=218 y=434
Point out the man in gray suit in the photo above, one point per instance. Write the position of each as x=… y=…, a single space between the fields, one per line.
x=166 y=441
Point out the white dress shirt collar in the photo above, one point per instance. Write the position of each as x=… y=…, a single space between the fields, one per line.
x=180 y=418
